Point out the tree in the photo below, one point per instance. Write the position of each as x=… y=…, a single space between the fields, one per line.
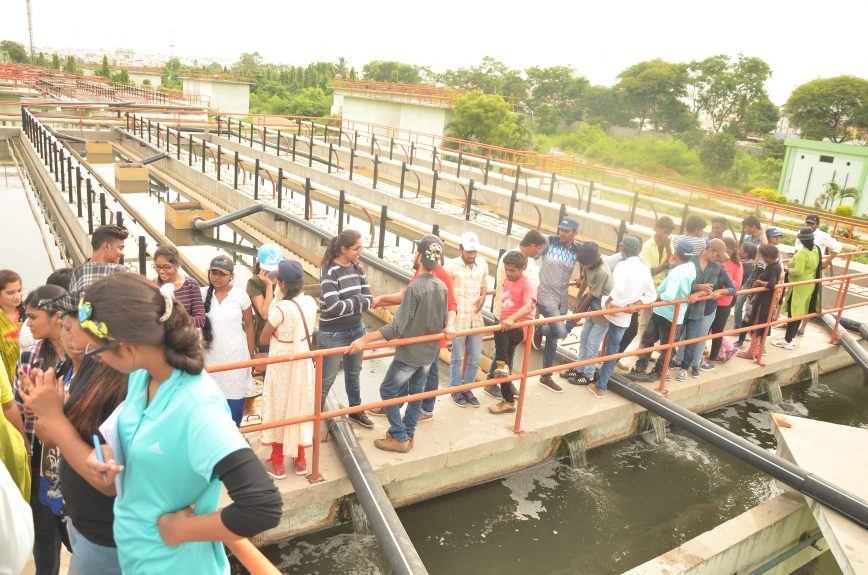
x=342 y=67
x=104 y=69
x=651 y=87
x=123 y=77
x=835 y=195
x=247 y=65
x=17 y=52
x=41 y=61
x=724 y=90
x=484 y=118
x=170 y=79
x=55 y=61
x=760 y=118
x=717 y=154
x=391 y=71
x=555 y=95
x=491 y=76
x=604 y=106
x=70 y=65
x=829 y=108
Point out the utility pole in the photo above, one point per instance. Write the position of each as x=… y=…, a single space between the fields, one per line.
x=30 y=29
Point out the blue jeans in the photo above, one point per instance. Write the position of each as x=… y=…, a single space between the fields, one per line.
x=738 y=311
x=401 y=380
x=236 y=407
x=613 y=341
x=88 y=557
x=692 y=354
x=331 y=363
x=592 y=338
x=431 y=383
x=472 y=346
x=553 y=332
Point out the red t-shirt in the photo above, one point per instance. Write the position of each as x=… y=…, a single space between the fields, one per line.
x=451 y=304
x=514 y=294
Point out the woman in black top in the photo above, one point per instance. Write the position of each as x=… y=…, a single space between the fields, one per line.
x=760 y=302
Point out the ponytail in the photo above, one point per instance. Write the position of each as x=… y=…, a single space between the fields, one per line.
x=346 y=239
x=207 y=330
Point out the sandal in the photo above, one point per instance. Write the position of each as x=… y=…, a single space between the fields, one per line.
x=745 y=355
x=300 y=466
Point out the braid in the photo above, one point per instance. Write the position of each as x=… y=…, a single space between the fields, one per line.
x=207 y=331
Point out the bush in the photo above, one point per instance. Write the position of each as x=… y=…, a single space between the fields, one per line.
x=846 y=211
x=768 y=194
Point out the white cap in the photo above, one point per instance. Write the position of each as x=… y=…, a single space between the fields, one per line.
x=469 y=242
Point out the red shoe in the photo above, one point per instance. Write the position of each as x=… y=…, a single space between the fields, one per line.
x=275 y=471
x=300 y=466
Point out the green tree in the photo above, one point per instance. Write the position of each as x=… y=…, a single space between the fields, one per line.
x=123 y=77
x=170 y=80
x=760 y=118
x=717 y=154
x=491 y=77
x=649 y=88
x=724 y=90
x=555 y=95
x=247 y=65
x=17 y=52
x=604 y=106
x=55 y=61
x=835 y=195
x=70 y=65
x=341 y=67
x=391 y=71
x=829 y=108
x=484 y=118
x=104 y=69
x=41 y=61
x=146 y=82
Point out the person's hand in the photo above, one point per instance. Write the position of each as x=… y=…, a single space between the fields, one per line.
x=42 y=394
x=357 y=346
x=170 y=522
x=480 y=301
x=715 y=295
x=694 y=297
x=705 y=288
x=266 y=279
x=507 y=323
x=449 y=332
x=103 y=473
x=826 y=264
x=377 y=302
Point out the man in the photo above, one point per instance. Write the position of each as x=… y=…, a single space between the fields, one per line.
x=677 y=285
x=695 y=228
x=597 y=280
x=423 y=311
x=433 y=381
x=752 y=229
x=469 y=276
x=633 y=285
x=773 y=236
x=108 y=251
x=559 y=259
x=718 y=228
x=828 y=245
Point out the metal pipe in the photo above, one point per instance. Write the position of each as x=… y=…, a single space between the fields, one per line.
x=848 y=342
x=154 y=158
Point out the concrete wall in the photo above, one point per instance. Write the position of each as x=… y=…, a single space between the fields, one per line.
x=224 y=96
x=139 y=77
x=810 y=165
x=406 y=116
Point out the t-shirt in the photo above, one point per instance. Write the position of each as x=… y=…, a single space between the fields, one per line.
x=256 y=287
x=514 y=294
x=422 y=312
x=599 y=284
x=677 y=285
x=697 y=243
x=556 y=268
x=16 y=525
x=190 y=296
x=531 y=272
x=736 y=274
x=451 y=302
x=170 y=449
x=654 y=256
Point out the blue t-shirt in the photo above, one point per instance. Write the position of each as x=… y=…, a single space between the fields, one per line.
x=677 y=285
x=170 y=448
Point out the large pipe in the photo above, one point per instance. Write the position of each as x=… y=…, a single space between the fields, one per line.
x=807 y=483
x=153 y=158
x=848 y=342
x=60 y=136
x=397 y=547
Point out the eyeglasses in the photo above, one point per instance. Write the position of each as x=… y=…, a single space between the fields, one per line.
x=163 y=267
x=357 y=249
x=91 y=350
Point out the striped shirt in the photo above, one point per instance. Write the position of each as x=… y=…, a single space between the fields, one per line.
x=345 y=296
x=467 y=284
x=189 y=295
x=697 y=243
x=556 y=268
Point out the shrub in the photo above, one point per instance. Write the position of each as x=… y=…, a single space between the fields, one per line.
x=768 y=194
x=846 y=211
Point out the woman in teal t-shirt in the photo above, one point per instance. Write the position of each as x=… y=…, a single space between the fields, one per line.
x=177 y=440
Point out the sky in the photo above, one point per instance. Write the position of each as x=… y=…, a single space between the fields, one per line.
x=801 y=41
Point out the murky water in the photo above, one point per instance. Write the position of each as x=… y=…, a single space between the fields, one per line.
x=632 y=502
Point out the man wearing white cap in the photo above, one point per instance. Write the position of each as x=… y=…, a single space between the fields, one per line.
x=469 y=275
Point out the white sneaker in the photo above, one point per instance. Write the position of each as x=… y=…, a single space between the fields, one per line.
x=784 y=344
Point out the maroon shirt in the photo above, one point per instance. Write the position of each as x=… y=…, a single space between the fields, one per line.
x=190 y=296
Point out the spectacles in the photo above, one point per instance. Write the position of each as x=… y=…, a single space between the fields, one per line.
x=91 y=350
x=163 y=267
x=357 y=249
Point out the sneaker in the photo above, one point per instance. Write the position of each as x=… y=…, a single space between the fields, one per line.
x=581 y=380
x=377 y=411
x=458 y=398
x=300 y=466
x=784 y=344
x=362 y=419
x=537 y=338
x=471 y=399
x=596 y=392
x=425 y=417
x=389 y=443
x=642 y=377
x=502 y=407
x=706 y=366
x=694 y=371
x=572 y=373
x=493 y=391
x=682 y=375
x=550 y=384
x=275 y=471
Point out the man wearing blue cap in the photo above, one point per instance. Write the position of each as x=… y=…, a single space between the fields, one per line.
x=557 y=263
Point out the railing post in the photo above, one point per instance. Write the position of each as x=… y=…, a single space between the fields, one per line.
x=340 y=136
x=352 y=162
x=78 y=188
x=391 y=147
x=684 y=215
x=622 y=231
x=279 y=188
x=102 y=208
x=374 y=143
x=158 y=135
x=235 y=181
x=458 y=170
x=251 y=134
x=119 y=220
x=329 y=169
x=168 y=140
x=203 y=154
x=355 y=139
x=278 y=144
x=376 y=170
x=219 y=160
x=552 y=188
x=525 y=367
x=264 y=137
x=590 y=197
x=562 y=213
x=256 y=179
x=307 y=205
x=190 y=151
x=143 y=254
x=433 y=189
x=315 y=475
x=293 y=146
x=434 y=160
x=69 y=176
x=633 y=205
x=765 y=330
x=62 y=173
x=149 y=130
x=435 y=231
x=487 y=169
x=178 y=145
x=381 y=243
x=342 y=198
x=511 y=212
x=412 y=152
x=840 y=307
x=218 y=126
x=469 y=206
x=403 y=174
x=89 y=207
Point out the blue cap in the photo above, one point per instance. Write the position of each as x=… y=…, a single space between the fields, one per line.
x=631 y=244
x=290 y=271
x=684 y=248
x=773 y=233
x=569 y=223
x=269 y=255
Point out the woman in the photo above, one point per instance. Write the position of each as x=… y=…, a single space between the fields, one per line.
x=289 y=386
x=13 y=446
x=167 y=263
x=345 y=296
x=733 y=267
x=804 y=299
x=176 y=436
x=11 y=319
x=228 y=332
x=95 y=391
x=760 y=302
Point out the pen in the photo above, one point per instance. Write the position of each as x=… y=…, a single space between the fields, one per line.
x=100 y=457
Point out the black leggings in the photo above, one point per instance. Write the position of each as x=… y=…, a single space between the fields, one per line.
x=505 y=343
x=630 y=334
x=792 y=330
x=717 y=325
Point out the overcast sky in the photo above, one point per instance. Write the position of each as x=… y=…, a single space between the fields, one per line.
x=800 y=40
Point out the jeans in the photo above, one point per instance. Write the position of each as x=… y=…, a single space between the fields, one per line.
x=402 y=379
x=589 y=347
x=331 y=363
x=505 y=343
x=472 y=346
x=630 y=332
x=656 y=330
x=613 y=341
x=553 y=332
x=236 y=407
x=431 y=383
x=89 y=558
x=695 y=328
x=46 y=543
x=738 y=311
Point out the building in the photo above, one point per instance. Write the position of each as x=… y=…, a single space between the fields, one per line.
x=226 y=93
x=809 y=165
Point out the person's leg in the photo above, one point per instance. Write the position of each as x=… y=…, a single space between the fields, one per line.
x=680 y=333
x=46 y=542
x=629 y=333
x=589 y=346
x=416 y=383
x=330 y=363
x=456 y=360
x=473 y=351
x=691 y=329
x=613 y=340
x=721 y=314
x=699 y=347
x=792 y=328
x=431 y=383
x=352 y=367
x=738 y=311
x=554 y=332
x=395 y=384
x=512 y=339
x=649 y=338
x=663 y=327
x=236 y=407
x=89 y=558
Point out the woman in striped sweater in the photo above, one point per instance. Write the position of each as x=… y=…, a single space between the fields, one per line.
x=167 y=262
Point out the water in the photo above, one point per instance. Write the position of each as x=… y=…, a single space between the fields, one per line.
x=631 y=502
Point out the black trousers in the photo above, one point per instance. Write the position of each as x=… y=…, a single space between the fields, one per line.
x=717 y=325
x=630 y=334
x=657 y=330
x=505 y=343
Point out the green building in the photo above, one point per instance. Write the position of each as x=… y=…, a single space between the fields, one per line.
x=810 y=165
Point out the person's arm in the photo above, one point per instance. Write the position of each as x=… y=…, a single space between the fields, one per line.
x=834 y=248
x=275 y=318
x=247 y=321
x=197 y=308
x=483 y=290
x=268 y=297
x=729 y=288
x=359 y=345
x=526 y=307
x=13 y=416
x=388 y=299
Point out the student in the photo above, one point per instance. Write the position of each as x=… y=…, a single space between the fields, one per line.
x=735 y=271
x=177 y=439
x=228 y=332
x=753 y=232
x=15 y=525
x=695 y=227
x=597 y=279
x=519 y=299
x=747 y=253
x=829 y=247
x=760 y=302
x=11 y=320
x=13 y=446
x=167 y=262
x=718 y=228
x=289 y=386
x=806 y=265
x=345 y=296
x=423 y=311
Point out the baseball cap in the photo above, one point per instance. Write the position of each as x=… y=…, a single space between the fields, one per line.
x=269 y=255
x=222 y=263
x=684 y=248
x=773 y=233
x=470 y=242
x=718 y=246
x=631 y=244
x=813 y=219
x=589 y=253
x=569 y=223
x=431 y=248
x=290 y=271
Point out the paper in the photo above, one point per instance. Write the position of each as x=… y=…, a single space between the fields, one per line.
x=109 y=431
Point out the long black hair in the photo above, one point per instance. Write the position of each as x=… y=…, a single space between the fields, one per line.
x=346 y=239
x=43 y=299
